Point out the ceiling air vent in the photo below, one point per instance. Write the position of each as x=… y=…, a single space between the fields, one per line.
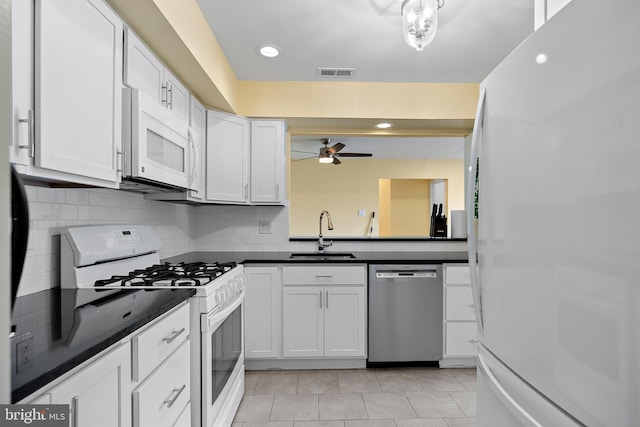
x=336 y=73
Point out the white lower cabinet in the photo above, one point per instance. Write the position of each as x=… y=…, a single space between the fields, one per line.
x=262 y=308
x=324 y=321
x=99 y=394
x=460 y=327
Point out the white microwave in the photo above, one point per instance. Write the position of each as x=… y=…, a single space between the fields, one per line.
x=158 y=146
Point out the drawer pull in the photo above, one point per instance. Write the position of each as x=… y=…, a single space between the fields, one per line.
x=325 y=276
x=174 y=336
x=170 y=402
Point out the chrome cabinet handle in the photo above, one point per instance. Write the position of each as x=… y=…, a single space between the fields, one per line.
x=31 y=137
x=323 y=276
x=165 y=95
x=170 y=401
x=170 y=97
x=246 y=191
x=320 y=299
x=74 y=410
x=326 y=296
x=174 y=336
x=119 y=161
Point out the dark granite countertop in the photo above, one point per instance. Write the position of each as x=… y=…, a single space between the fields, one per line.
x=39 y=321
x=360 y=257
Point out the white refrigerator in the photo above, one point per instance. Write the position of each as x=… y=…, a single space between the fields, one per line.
x=557 y=289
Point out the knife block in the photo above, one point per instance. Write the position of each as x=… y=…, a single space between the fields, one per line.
x=438 y=226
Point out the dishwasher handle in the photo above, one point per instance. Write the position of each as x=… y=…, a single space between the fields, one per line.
x=404 y=274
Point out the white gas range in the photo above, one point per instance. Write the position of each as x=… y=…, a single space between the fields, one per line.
x=105 y=260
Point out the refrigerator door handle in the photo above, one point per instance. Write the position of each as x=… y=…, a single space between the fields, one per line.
x=472 y=187
x=519 y=412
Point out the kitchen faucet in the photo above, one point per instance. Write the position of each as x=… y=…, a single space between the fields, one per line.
x=321 y=243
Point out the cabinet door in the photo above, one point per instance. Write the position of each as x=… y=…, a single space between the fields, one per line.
x=177 y=98
x=461 y=339
x=142 y=70
x=78 y=88
x=198 y=124
x=263 y=288
x=303 y=321
x=344 y=321
x=267 y=161
x=100 y=394
x=21 y=141
x=459 y=303
x=227 y=158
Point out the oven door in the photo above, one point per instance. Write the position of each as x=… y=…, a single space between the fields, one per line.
x=158 y=144
x=222 y=359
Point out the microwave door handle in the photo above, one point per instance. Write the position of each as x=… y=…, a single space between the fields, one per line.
x=195 y=157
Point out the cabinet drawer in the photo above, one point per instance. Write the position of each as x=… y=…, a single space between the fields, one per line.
x=459 y=303
x=160 y=400
x=461 y=339
x=153 y=345
x=457 y=275
x=323 y=275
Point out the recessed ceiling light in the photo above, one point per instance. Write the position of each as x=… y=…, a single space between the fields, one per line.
x=269 y=51
x=541 y=58
x=384 y=125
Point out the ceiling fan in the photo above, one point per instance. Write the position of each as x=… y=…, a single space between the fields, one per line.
x=331 y=154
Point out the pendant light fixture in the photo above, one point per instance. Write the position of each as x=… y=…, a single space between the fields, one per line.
x=420 y=21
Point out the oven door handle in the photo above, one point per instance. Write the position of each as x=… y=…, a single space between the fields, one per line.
x=216 y=316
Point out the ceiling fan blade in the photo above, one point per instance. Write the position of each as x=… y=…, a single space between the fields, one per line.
x=336 y=161
x=353 y=154
x=336 y=147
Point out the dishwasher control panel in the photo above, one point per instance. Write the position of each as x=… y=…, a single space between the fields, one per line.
x=405 y=273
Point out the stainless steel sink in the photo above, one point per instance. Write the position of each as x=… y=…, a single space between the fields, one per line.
x=317 y=256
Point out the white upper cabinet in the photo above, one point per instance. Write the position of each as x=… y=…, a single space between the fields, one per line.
x=76 y=131
x=144 y=71
x=21 y=142
x=267 y=161
x=227 y=148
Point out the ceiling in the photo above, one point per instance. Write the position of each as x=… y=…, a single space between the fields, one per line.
x=473 y=37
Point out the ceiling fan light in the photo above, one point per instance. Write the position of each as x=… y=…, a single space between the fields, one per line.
x=420 y=21
x=327 y=159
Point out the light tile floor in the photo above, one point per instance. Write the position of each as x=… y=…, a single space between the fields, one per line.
x=415 y=397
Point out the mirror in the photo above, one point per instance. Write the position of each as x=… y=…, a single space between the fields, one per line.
x=388 y=195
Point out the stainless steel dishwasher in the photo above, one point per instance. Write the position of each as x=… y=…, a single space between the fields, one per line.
x=405 y=313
